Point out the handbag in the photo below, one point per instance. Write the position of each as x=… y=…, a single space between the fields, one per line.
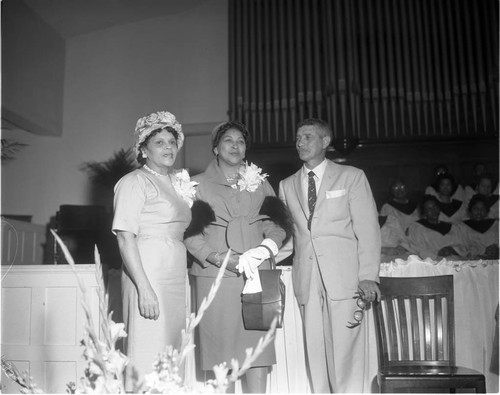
x=260 y=308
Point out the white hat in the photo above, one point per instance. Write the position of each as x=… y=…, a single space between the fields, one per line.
x=153 y=121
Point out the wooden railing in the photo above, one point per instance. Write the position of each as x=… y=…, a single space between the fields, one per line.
x=23 y=243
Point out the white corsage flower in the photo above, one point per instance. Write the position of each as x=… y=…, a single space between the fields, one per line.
x=249 y=178
x=184 y=186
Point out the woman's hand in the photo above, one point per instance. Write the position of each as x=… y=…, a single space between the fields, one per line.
x=234 y=258
x=231 y=264
x=491 y=252
x=147 y=300
x=149 y=307
x=447 y=251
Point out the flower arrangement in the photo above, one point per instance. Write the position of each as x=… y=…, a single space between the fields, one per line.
x=24 y=381
x=249 y=178
x=106 y=364
x=184 y=186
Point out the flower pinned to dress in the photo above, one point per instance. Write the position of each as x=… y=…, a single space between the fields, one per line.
x=184 y=186
x=249 y=178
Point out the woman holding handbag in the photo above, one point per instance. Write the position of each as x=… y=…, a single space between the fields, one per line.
x=236 y=209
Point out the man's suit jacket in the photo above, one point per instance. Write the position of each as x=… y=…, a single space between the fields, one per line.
x=345 y=234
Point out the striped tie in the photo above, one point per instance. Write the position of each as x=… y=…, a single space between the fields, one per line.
x=311 y=197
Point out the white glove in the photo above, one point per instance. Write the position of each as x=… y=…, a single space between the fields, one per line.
x=251 y=259
x=249 y=262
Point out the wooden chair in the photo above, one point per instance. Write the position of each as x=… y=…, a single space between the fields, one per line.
x=415 y=329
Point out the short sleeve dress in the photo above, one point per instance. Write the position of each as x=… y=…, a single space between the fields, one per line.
x=148 y=206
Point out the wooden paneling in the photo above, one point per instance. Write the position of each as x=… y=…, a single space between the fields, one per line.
x=43 y=322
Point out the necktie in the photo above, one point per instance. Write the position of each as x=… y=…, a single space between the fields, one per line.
x=311 y=197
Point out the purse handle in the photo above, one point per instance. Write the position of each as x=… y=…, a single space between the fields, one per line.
x=271 y=257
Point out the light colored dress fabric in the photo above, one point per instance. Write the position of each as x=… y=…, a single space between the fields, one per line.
x=238 y=226
x=391 y=233
x=426 y=242
x=459 y=193
x=148 y=206
x=454 y=217
x=404 y=219
x=477 y=241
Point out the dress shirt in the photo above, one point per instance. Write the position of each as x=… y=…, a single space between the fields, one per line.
x=318 y=176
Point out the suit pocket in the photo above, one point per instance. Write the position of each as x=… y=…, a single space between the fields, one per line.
x=335 y=193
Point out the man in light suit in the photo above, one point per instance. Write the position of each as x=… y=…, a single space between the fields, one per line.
x=337 y=253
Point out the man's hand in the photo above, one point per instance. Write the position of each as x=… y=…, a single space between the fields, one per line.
x=369 y=290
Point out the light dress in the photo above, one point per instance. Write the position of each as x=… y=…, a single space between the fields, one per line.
x=426 y=242
x=148 y=206
x=404 y=213
x=480 y=234
x=459 y=193
x=391 y=233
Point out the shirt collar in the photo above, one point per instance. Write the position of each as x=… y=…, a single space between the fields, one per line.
x=318 y=170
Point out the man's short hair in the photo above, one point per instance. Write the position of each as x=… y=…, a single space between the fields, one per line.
x=322 y=125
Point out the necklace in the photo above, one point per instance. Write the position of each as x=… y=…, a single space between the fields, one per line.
x=232 y=178
x=146 y=167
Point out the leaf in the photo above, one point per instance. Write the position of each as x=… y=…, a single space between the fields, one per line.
x=108 y=172
x=10 y=148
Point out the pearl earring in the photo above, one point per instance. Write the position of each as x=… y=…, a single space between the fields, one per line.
x=144 y=155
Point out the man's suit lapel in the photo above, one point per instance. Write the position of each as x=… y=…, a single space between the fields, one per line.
x=327 y=182
x=297 y=184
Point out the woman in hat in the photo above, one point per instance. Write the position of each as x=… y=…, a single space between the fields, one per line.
x=151 y=213
x=237 y=211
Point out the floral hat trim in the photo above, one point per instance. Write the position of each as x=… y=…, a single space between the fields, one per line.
x=153 y=121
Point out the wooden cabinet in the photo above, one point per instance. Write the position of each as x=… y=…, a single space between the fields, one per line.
x=43 y=322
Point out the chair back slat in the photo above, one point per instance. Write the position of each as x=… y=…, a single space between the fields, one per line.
x=427 y=328
x=403 y=333
x=414 y=320
x=438 y=329
x=391 y=321
x=415 y=328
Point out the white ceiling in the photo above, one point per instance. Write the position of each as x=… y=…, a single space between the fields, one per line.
x=74 y=17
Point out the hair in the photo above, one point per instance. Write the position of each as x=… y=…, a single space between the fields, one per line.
x=319 y=123
x=219 y=131
x=169 y=129
x=425 y=199
x=478 y=198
